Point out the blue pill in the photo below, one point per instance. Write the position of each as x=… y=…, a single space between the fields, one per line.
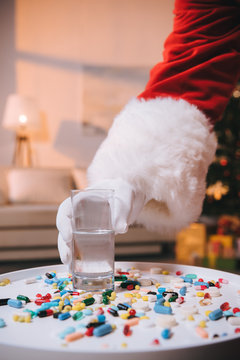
x=201 y=283
x=161 y=290
x=102 y=330
x=87 y=312
x=63 y=292
x=216 y=314
x=67 y=302
x=68 y=330
x=53 y=274
x=191 y=276
x=187 y=279
x=39 y=277
x=139 y=314
x=64 y=316
x=166 y=333
x=183 y=290
x=49 y=281
x=227 y=313
x=161 y=309
x=101 y=318
x=126 y=304
x=160 y=301
x=114 y=307
x=15 y=303
x=2 y=323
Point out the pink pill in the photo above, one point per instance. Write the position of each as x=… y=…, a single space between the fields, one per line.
x=201 y=332
x=132 y=322
x=223 y=281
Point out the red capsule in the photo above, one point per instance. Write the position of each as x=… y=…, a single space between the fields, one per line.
x=123 y=273
x=38 y=295
x=130 y=287
x=75 y=293
x=235 y=310
x=217 y=284
x=178 y=273
x=132 y=312
x=100 y=311
x=47 y=296
x=41 y=301
x=237 y=330
x=156 y=342
x=127 y=331
x=225 y=306
x=207 y=296
x=200 y=280
x=203 y=287
x=89 y=331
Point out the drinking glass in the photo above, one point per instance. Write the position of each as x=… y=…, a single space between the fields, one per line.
x=93 y=239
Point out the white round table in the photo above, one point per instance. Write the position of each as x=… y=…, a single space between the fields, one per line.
x=39 y=339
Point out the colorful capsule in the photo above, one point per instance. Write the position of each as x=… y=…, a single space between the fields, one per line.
x=15 y=303
x=102 y=330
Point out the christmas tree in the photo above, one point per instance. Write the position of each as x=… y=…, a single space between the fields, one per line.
x=223 y=178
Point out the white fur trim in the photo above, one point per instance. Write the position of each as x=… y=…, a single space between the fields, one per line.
x=163 y=148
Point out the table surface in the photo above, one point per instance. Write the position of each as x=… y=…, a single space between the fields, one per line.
x=39 y=339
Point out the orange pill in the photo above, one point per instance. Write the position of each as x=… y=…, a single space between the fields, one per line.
x=201 y=332
x=74 y=336
x=132 y=322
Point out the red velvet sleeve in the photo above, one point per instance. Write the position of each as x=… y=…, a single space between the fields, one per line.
x=201 y=59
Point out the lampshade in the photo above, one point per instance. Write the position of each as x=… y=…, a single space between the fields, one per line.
x=21 y=112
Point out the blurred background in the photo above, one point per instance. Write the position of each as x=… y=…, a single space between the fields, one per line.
x=67 y=67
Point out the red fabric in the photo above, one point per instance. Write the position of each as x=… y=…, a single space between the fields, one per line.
x=201 y=60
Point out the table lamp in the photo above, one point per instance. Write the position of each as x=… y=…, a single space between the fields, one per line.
x=21 y=115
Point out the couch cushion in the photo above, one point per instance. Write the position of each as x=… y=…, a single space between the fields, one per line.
x=28 y=215
x=39 y=185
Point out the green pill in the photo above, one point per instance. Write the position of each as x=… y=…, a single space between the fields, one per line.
x=24 y=298
x=78 y=315
x=120 y=278
x=88 y=301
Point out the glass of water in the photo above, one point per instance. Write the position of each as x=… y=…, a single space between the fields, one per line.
x=93 y=239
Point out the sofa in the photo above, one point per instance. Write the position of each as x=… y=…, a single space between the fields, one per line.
x=29 y=200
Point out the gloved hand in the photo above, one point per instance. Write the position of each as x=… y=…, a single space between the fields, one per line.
x=126 y=207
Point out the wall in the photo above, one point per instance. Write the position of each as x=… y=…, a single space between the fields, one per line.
x=82 y=60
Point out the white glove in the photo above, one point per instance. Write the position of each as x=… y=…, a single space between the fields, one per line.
x=127 y=205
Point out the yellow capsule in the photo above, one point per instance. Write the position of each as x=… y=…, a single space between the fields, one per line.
x=137 y=287
x=157 y=285
x=207 y=312
x=138 y=296
x=190 y=318
x=82 y=306
x=54 y=286
x=57 y=297
x=61 y=303
x=200 y=293
x=21 y=319
x=68 y=308
x=145 y=298
x=124 y=345
x=114 y=326
x=165 y=272
x=28 y=318
x=144 y=317
x=212 y=281
x=15 y=317
x=167 y=303
x=133 y=268
x=76 y=307
x=202 y=324
x=128 y=295
x=124 y=316
x=134 y=300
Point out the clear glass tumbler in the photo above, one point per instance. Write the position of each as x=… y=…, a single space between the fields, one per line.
x=93 y=239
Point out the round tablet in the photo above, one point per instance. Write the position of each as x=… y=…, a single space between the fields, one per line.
x=166 y=321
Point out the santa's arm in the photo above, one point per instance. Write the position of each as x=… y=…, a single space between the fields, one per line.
x=162 y=142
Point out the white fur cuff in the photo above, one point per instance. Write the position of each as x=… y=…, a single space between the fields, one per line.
x=163 y=148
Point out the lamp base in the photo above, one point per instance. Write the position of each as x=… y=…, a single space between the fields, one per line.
x=22 y=154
